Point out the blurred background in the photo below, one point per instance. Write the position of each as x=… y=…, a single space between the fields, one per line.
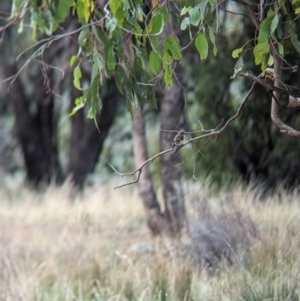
x=102 y=244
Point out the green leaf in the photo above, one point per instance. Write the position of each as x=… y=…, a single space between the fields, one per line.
x=121 y=79
x=155 y=44
x=167 y=62
x=111 y=24
x=120 y=16
x=172 y=45
x=91 y=113
x=100 y=35
x=185 y=23
x=238 y=67
x=265 y=29
x=283 y=6
x=186 y=10
x=139 y=14
x=168 y=75
x=270 y=60
x=114 y=5
x=83 y=36
x=259 y=51
x=73 y=60
x=77 y=75
x=21 y=26
x=280 y=49
x=236 y=52
x=297 y=10
x=195 y=16
x=84 y=8
x=202 y=45
x=98 y=65
x=163 y=13
x=279 y=31
x=79 y=103
x=33 y=26
x=294 y=40
x=111 y=60
x=156 y=25
x=212 y=38
x=155 y=61
x=274 y=23
x=197 y=13
x=63 y=10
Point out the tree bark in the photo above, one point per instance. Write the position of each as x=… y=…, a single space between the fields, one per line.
x=155 y=219
x=86 y=142
x=36 y=132
x=172 y=112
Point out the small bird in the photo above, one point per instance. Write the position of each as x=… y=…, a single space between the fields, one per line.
x=177 y=140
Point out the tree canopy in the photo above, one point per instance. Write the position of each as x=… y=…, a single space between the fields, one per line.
x=127 y=40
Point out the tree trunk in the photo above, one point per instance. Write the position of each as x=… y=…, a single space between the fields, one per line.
x=173 y=220
x=155 y=219
x=86 y=141
x=171 y=118
x=36 y=132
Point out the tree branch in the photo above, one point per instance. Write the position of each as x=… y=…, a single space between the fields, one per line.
x=250 y=11
x=269 y=86
x=211 y=133
x=139 y=170
x=284 y=128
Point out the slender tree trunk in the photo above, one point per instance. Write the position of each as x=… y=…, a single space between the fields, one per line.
x=173 y=220
x=155 y=219
x=172 y=112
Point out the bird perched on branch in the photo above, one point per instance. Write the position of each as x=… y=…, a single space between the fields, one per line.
x=177 y=140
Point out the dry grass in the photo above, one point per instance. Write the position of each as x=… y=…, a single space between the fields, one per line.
x=97 y=247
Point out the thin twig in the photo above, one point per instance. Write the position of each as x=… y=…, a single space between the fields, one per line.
x=193 y=154
x=40 y=50
x=139 y=170
x=235 y=116
x=200 y=131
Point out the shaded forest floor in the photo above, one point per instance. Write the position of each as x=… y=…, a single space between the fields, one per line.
x=96 y=246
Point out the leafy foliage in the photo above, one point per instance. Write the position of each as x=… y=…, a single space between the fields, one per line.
x=133 y=43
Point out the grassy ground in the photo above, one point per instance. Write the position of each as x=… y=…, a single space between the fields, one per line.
x=97 y=247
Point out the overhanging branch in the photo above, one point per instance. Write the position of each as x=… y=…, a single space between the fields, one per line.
x=179 y=146
x=284 y=128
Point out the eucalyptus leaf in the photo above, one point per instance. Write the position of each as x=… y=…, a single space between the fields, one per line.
x=202 y=45
x=238 y=67
x=155 y=61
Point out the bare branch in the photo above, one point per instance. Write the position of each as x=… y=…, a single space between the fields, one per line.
x=179 y=146
x=139 y=170
x=229 y=121
x=293 y=91
x=193 y=154
x=200 y=131
x=284 y=128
